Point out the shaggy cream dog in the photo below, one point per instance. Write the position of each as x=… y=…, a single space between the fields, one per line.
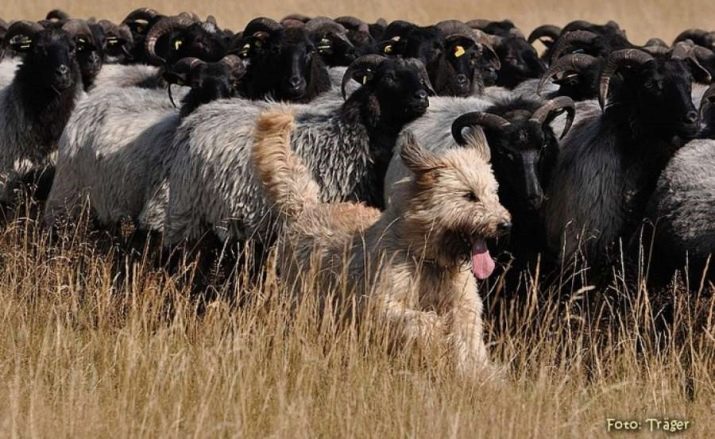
x=410 y=263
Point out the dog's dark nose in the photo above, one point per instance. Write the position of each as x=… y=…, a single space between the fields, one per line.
x=691 y=117
x=504 y=227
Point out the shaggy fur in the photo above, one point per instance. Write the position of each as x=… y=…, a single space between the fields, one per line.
x=407 y=261
x=32 y=118
x=112 y=152
x=683 y=210
x=346 y=145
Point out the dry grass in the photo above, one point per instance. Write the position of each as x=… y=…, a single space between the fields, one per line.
x=90 y=350
x=642 y=18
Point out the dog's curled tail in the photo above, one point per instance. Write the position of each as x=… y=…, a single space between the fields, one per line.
x=286 y=180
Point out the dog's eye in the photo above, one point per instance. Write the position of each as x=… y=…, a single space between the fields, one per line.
x=471 y=197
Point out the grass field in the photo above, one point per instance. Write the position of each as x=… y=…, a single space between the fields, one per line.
x=95 y=343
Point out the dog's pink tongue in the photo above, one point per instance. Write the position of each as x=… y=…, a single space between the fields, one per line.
x=482 y=262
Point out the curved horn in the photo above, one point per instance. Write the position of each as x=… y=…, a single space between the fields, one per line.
x=353 y=23
x=691 y=34
x=78 y=28
x=476 y=118
x=455 y=28
x=568 y=40
x=547 y=112
x=57 y=15
x=324 y=25
x=25 y=27
x=575 y=62
x=478 y=23
x=614 y=62
x=146 y=14
x=235 y=64
x=656 y=42
x=683 y=50
x=296 y=17
x=261 y=24
x=366 y=62
x=547 y=30
x=164 y=26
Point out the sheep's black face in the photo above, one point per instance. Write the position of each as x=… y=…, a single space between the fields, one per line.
x=89 y=57
x=519 y=62
x=209 y=82
x=53 y=55
x=423 y=43
x=462 y=55
x=401 y=92
x=663 y=98
x=523 y=156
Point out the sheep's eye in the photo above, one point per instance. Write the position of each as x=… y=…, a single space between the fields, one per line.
x=471 y=197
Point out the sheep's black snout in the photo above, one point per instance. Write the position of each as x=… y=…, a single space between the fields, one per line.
x=691 y=117
x=462 y=80
x=63 y=78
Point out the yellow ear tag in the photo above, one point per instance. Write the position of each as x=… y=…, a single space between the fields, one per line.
x=177 y=44
x=388 y=48
x=458 y=51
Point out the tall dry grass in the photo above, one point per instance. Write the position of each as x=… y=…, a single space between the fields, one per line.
x=642 y=18
x=96 y=341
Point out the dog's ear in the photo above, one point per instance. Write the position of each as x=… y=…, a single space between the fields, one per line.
x=416 y=158
x=475 y=139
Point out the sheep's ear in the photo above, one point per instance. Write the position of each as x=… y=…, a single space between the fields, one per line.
x=416 y=158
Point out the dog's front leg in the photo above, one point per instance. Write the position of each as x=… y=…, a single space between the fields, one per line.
x=424 y=328
x=466 y=335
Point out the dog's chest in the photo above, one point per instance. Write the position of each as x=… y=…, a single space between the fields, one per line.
x=440 y=289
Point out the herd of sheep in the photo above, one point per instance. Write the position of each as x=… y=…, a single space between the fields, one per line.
x=595 y=143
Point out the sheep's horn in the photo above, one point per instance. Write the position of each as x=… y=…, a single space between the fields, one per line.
x=575 y=62
x=325 y=25
x=547 y=30
x=476 y=118
x=568 y=40
x=121 y=32
x=296 y=17
x=163 y=27
x=707 y=99
x=365 y=62
x=683 y=50
x=455 y=28
x=353 y=23
x=146 y=14
x=25 y=27
x=691 y=34
x=261 y=24
x=57 y=15
x=398 y=28
x=236 y=65
x=547 y=112
x=78 y=28
x=656 y=42
x=614 y=62
x=490 y=54
x=478 y=23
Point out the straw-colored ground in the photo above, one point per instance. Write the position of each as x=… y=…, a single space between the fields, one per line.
x=96 y=344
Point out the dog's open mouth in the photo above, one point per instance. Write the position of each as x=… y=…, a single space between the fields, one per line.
x=481 y=260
